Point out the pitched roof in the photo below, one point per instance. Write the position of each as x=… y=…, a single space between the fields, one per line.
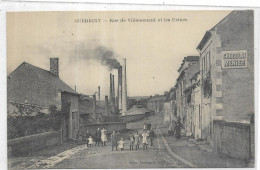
x=34 y=85
x=207 y=35
x=188 y=58
x=136 y=110
x=46 y=76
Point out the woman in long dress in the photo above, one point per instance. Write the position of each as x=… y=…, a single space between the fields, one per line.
x=103 y=136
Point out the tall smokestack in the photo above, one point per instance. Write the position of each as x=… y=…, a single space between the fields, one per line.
x=120 y=88
x=124 y=89
x=106 y=106
x=111 y=89
x=94 y=107
x=54 y=66
x=99 y=93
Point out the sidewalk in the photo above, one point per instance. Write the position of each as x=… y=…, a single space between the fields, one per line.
x=24 y=161
x=201 y=154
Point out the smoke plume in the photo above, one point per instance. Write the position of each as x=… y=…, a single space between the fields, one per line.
x=98 y=53
x=107 y=57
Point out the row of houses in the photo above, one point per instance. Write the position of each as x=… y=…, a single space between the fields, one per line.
x=216 y=87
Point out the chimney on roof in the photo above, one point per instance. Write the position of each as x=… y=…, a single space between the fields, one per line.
x=54 y=66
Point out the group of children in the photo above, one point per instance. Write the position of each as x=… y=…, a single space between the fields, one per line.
x=100 y=136
x=135 y=140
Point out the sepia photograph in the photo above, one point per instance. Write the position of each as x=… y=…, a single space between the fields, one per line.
x=130 y=89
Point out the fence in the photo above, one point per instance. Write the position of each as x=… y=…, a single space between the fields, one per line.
x=233 y=139
x=27 y=144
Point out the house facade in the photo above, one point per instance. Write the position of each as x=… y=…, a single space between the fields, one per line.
x=156 y=104
x=227 y=71
x=214 y=96
x=31 y=89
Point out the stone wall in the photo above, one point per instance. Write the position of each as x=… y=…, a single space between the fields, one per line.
x=25 y=145
x=109 y=126
x=232 y=139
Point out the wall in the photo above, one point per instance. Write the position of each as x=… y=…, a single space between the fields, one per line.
x=72 y=119
x=237 y=33
x=110 y=126
x=232 y=139
x=130 y=118
x=25 y=145
x=167 y=111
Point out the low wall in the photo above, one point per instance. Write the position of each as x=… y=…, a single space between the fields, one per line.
x=130 y=118
x=109 y=126
x=232 y=139
x=27 y=144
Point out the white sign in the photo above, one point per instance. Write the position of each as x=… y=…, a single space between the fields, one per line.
x=234 y=59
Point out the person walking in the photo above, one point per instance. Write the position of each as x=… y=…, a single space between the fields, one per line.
x=145 y=140
x=137 y=140
x=103 y=136
x=114 y=138
x=151 y=135
x=132 y=140
x=98 y=137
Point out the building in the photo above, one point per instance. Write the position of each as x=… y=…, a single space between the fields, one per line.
x=186 y=70
x=192 y=100
x=156 y=104
x=31 y=89
x=227 y=71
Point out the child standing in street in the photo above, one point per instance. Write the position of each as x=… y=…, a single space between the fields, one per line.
x=121 y=144
x=132 y=141
x=145 y=140
x=90 y=141
x=137 y=140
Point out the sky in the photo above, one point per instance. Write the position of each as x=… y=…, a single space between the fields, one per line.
x=88 y=51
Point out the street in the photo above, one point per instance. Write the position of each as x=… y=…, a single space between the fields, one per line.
x=167 y=152
x=102 y=157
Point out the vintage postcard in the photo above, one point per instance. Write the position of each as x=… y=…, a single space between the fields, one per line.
x=130 y=89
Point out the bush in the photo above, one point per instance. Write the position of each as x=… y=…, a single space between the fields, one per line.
x=20 y=126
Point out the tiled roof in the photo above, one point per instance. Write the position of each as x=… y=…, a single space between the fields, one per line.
x=46 y=76
x=35 y=85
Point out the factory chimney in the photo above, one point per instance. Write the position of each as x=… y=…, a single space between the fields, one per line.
x=94 y=107
x=106 y=106
x=54 y=66
x=111 y=89
x=99 y=93
x=124 y=89
x=119 y=88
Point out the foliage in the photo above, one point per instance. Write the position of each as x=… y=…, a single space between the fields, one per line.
x=19 y=126
x=189 y=97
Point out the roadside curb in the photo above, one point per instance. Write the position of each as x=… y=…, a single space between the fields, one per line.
x=169 y=150
x=51 y=161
